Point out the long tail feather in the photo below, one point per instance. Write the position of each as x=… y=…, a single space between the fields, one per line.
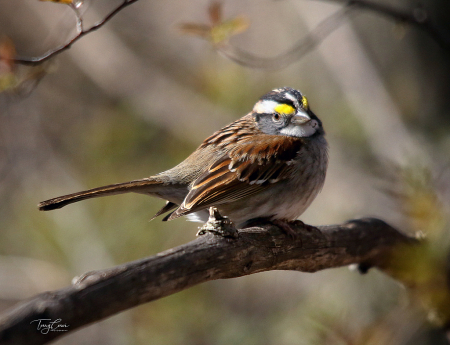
x=119 y=188
x=169 y=206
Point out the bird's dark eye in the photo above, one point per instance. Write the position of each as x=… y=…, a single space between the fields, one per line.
x=276 y=117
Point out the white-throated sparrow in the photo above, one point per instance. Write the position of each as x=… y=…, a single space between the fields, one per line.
x=269 y=164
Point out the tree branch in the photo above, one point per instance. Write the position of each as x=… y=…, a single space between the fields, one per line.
x=417 y=17
x=302 y=47
x=94 y=296
x=34 y=61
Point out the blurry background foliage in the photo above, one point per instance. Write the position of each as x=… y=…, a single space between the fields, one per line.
x=136 y=97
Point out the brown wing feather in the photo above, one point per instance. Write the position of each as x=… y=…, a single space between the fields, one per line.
x=252 y=164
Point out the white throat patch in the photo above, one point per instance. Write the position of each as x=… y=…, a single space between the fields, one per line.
x=301 y=131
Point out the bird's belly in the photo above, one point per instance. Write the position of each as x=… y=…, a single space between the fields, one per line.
x=270 y=204
x=284 y=201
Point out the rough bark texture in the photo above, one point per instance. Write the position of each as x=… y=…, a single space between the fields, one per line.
x=94 y=296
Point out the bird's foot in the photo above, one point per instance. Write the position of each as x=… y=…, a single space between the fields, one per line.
x=288 y=227
x=219 y=225
x=305 y=226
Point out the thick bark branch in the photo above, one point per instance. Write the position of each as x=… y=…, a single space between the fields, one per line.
x=94 y=296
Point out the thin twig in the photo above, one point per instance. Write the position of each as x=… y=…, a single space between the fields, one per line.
x=417 y=17
x=301 y=48
x=33 y=61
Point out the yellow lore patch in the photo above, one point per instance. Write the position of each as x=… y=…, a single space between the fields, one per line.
x=284 y=109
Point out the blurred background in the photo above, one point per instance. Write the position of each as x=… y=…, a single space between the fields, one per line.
x=137 y=96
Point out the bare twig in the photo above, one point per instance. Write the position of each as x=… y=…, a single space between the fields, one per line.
x=418 y=17
x=94 y=296
x=33 y=61
x=301 y=48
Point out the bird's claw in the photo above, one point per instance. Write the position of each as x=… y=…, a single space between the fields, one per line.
x=219 y=225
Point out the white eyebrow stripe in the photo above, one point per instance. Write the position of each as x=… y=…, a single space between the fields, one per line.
x=293 y=99
x=265 y=107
